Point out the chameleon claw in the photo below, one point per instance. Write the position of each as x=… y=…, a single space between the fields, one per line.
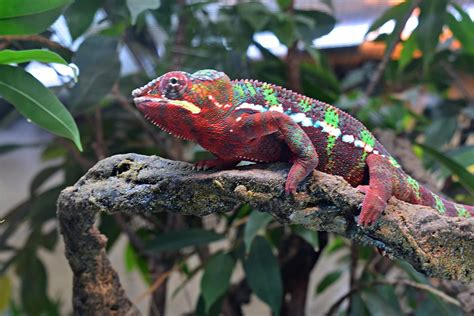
x=362 y=188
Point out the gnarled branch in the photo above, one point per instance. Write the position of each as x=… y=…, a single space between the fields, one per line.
x=435 y=245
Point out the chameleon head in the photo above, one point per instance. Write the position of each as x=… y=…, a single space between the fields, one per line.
x=178 y=101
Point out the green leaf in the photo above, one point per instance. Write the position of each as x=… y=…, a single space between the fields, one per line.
x=462 y=29
x=327 y=281
x=257 y=221
x=95 y=82
x=80 y=15
x=138 y=6
x=263 y=274
x=215 y=310
x=255 y=14
x=284 y=27
x=378 y=305
x=34 y=283
x=8 y=56
x=313 y=24
x=131 y=259
x=37 y=103
x=406 y=56
x=430 y=25
x=284 y=4
x=41 y=177
x=336 y=244
x=311 y=236
x=176 y=240
x=16 y=8
x=5 y=291
x=216 y=278
x=441 y=131
x=465 y=178
x=463 y=155
x=29 y=24
x=393 y=13
x=358 y=307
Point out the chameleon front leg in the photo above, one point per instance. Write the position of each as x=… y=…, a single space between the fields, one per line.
x=305 y=157
x=379 y=190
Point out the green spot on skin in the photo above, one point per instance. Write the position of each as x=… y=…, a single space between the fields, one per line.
x=462 y=212
x=439 y=204
x=251 y=89
x=269 y=96
x=305 y=105
x=240 y=90
x=362 y=159
x=330 y=144
x=331 y=117
x=367 y=138
x=415 y=186
x=394 y=162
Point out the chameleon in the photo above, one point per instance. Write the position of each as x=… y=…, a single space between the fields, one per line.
x=249 y=120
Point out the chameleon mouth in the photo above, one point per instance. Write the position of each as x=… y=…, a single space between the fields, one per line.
x=141 y=103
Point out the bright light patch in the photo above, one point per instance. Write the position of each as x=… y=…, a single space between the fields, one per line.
x=343 y=35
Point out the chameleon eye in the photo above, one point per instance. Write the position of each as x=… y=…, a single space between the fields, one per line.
x=174 y=84
x=173 y=80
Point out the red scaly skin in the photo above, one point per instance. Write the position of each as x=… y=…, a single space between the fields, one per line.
x=254 y=121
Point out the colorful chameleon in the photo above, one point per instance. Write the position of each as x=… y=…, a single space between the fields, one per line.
x=255 y=121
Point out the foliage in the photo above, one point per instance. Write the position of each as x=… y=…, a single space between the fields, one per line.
x=157 y=36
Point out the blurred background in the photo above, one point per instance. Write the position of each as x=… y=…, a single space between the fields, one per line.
x=404 y=68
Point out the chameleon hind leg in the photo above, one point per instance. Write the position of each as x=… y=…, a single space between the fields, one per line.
x=379 y=190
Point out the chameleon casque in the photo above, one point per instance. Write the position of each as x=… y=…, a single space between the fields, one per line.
x=256 y=121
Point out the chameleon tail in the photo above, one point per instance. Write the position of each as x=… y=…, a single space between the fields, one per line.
x=386 y=179
x=443 y=206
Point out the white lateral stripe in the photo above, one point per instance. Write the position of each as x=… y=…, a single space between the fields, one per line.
x=359 y=143
x=277 y=108
x=348 y=139
x=251 y=106
x=331 y=130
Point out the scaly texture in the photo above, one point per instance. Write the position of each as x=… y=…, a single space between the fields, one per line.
x=255 y=121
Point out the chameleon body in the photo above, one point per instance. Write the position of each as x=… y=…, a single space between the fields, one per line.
x=256 y=121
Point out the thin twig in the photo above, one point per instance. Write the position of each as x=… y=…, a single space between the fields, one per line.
x=374 y=80
x=419 y=286
x=38 y=39
x=158 y=282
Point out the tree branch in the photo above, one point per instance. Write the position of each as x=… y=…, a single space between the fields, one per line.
x=435 y=245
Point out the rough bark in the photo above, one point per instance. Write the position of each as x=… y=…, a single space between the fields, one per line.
x=435 y=245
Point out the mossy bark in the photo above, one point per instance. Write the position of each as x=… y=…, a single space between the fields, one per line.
x=435 y=245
